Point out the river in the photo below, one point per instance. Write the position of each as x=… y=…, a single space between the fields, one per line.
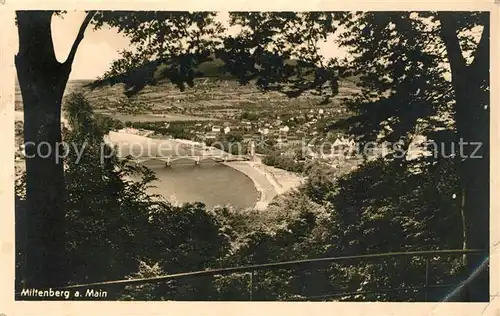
x=210 y=182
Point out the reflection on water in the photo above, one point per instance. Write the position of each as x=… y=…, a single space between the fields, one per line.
x=211 y=183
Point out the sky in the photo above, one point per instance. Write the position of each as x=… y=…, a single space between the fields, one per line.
x=100 y=48
x=96 y=52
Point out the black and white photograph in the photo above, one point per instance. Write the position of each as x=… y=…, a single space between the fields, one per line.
x=313 y=156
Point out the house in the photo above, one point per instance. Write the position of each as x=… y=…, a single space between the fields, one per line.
x=227 y=129
x=282 y=139
x=211 y=135
x=312 y=155
x=351 y=143
x=264 y=131
x=344 y=143
x=216 y=129
x=338 y=143
x=273 y=132
x=294 y=140
x=247 y=137
x=284 y=129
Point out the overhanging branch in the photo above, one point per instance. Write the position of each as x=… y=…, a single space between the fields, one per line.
x=450 y=39
x=79 y=38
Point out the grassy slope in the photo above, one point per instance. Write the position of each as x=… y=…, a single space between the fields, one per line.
x=215 y=90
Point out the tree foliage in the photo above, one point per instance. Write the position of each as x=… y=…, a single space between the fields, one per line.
x=278 y=51
x=113 y=225
x=420 y=73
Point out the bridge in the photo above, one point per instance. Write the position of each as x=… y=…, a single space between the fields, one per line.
x=214 y=154
x=197 y=159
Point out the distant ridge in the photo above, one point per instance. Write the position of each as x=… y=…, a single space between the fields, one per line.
x=153 y=72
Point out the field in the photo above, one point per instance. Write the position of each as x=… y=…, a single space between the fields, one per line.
x=209 y=99
x=152 y=117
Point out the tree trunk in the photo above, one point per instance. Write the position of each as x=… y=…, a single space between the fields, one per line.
x=470 y=83
x=473 y=128
x=42 y=80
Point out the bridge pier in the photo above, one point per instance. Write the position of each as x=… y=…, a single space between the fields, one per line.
x=168 y=163
x=197 y=161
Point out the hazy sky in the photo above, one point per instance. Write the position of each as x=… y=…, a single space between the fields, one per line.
x=99 y=48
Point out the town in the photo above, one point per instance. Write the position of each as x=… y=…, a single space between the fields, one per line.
x=217 y=112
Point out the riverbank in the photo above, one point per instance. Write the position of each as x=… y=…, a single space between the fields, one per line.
x=282 y=180
x=266 y=189
x=268 y=181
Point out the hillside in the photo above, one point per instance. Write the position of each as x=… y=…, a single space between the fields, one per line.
x=214 y=88
x=215 y=95
x=210 y=97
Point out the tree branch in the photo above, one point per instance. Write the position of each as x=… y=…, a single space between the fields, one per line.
x=450 y=39
x=79 y=38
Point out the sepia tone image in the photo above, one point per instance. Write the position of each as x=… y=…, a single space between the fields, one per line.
x=252 y=156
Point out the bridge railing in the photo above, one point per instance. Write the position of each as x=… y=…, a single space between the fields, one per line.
x=251 y=270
